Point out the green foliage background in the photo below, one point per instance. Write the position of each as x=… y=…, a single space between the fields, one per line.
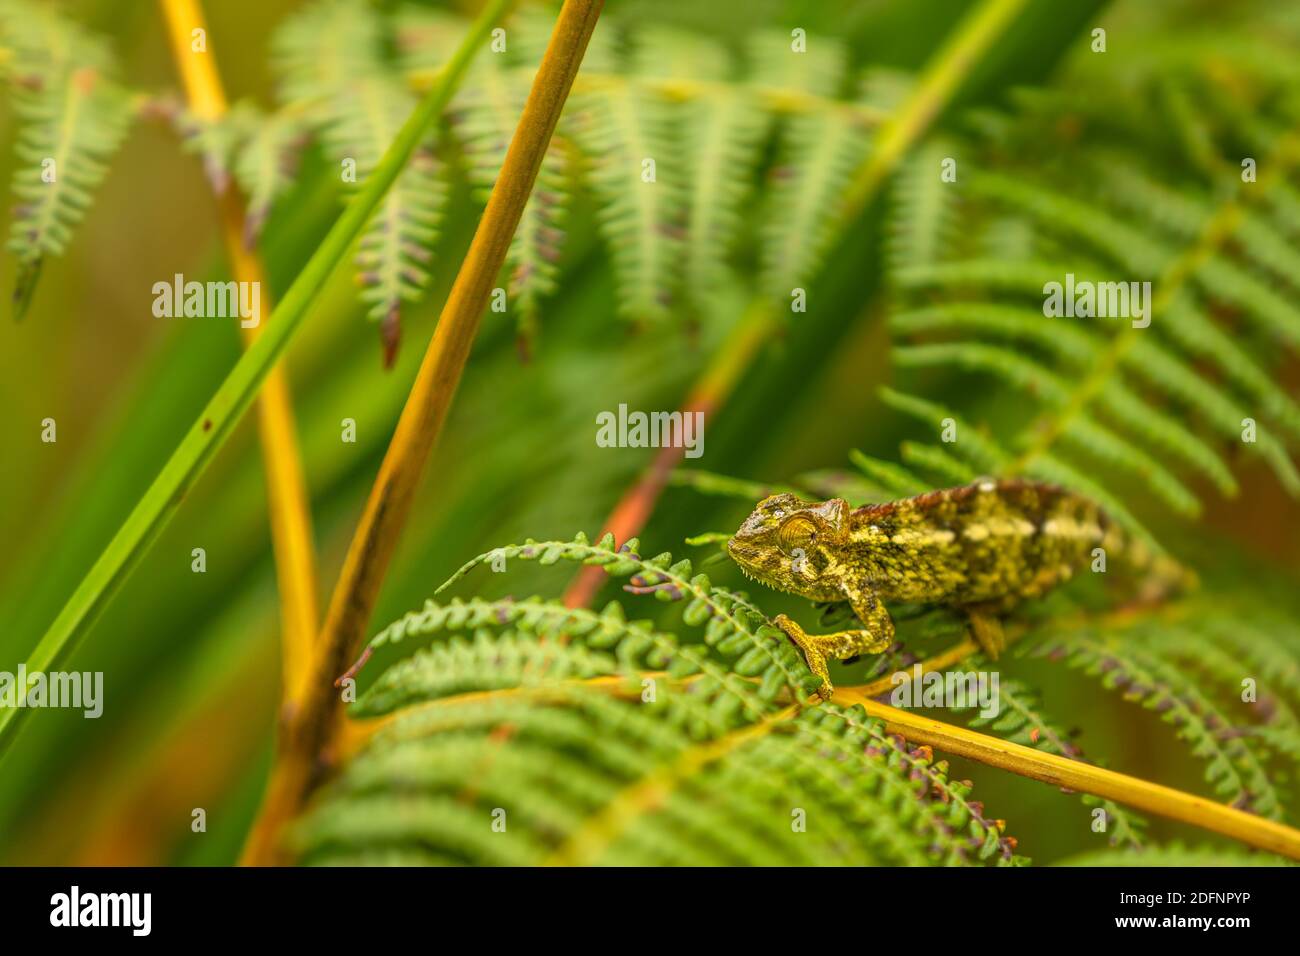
x=1056 y=145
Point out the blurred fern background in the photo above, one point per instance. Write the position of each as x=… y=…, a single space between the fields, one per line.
x=774 y=172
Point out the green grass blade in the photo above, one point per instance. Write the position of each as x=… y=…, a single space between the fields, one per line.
x=237 y=392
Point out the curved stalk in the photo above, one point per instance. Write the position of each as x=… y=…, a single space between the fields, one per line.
x=313 y=734
x=1077 y=775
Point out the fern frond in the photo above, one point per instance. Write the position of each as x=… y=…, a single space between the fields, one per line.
x=1022 y=721
x=640 y=98
x=1265 y=250
x=534 y=643
x=394 y=253
x=1006 y=237
x=722 y=127
x=704 y=767
x=628 y=135
x=334 y=71
x=923 y=216
x=214 y=141
x=885 y=89
x=894 y=479
x=854 y=488
x=818 y=153
x=529 y=31
x=1233 y=764
x=484 y=117
x=265 y=163
x=821 y=69
x=935 y=460
x=1187 y=326
x=721 y=139
x=597 y=780
x=1048 y=467
x=732 y=626
x=983 y=454
x=709 y=483
x=319 y=51
x=1076 y=349
x=1083 y=432
x=425 y=39
x=1221 y=265
x=259 y=151
x=534 y=256
x=1228 y=659
x=72 y=119
x=1175 y=855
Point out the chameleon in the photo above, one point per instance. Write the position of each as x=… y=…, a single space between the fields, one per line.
x=982 y=548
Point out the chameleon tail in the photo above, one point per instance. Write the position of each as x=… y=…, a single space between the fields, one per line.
x=1158 y=576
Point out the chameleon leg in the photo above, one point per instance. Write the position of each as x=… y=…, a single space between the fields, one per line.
x=986 y=628
x=819 y=648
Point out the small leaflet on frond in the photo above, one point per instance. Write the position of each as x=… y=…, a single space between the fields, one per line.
x=265 y=164
x=817 y=156
x=72 y=118
x=628 y=134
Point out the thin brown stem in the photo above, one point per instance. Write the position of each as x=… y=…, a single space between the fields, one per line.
x=288 y=503
x=315 y=731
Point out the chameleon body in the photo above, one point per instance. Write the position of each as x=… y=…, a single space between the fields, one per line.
x=982 y=548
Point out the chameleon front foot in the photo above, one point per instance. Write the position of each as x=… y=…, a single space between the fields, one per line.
x=986 y=628
x=815 y=649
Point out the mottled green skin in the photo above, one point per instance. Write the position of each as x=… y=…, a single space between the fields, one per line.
x=981 y=547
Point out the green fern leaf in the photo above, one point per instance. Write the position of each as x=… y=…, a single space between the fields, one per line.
x=72 y=118
x=484 y=117
x=1234 y=767
x=1021 y=721
x=628 y=135
x=923 y=217
x=265 y=163
x=334 y=71
x=1176 y=855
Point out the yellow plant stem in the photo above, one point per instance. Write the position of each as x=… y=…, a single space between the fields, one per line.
x=1077 y=775
x=314 y=733
x=941 y=661
x=1216 y=233
x=287 y=499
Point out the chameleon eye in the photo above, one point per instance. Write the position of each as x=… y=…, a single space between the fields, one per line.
x=796 y=532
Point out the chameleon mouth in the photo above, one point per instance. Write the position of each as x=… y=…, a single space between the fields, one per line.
x=744 y=559
x=737 y=552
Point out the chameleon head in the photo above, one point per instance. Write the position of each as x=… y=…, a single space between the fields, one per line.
x=794 y=545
